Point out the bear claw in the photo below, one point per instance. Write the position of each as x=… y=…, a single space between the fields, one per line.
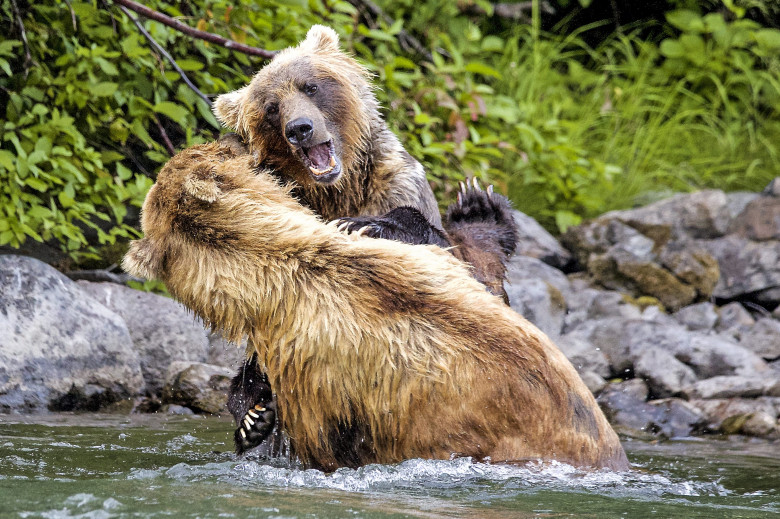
x=254 y=428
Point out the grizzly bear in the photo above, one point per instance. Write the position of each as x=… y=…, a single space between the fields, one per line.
x=310 y=116
x=378 y=351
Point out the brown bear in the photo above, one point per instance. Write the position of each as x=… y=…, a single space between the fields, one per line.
x=378 y=351
x=310 y=116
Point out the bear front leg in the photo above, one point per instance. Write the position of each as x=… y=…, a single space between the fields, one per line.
x=252 y=405
x=403 y=224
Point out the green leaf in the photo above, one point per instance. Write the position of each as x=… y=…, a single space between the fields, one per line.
x=104 y=89
x=481 y=68
x=768 y=39
x=173 y=111
x=685 y=20
x=672 y=49
x=37 y=184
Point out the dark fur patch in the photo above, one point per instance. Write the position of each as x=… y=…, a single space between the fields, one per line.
x=351 y=444
x=582 y=417
x=191 y=225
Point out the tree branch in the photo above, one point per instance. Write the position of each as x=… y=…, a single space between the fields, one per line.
x=195 y=33
x=518 y=11
x=165 y=53
x=407 y=41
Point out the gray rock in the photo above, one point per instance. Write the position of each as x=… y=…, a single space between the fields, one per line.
x=55 y=339
x=679 y=418
x=729 y=387
x=524 y=267
x=539 y=302
x=585 y=356
x=717 y=411
x=594 y=382
x=625 y=406
x=224 y=353
x=733 y=315
x=713 y=355
x=536 y=242
x=163 y=330
x=608 y=334
x=665 y=375
x=745 y=266
x=586 y=304
x=773 y=188
x=776 y=313
x=763 y=338
x=201 y=387
x=760 y=220
x=760 y=424
x=701 y=316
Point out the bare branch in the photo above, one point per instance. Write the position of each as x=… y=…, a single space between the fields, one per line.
x=518 y=11
x=407 y=41
x=195 y=33
x=165 y=53
x=28 y=59
x=166 y=140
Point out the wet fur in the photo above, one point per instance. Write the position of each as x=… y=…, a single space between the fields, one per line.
x=377 y=351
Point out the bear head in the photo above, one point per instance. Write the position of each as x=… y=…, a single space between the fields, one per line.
x=308 y=113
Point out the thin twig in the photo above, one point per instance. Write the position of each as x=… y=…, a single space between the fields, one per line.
x=406 y=40
x=166 y=140
x=165 y=53
x=518 y=11
x=72 y=15
x=195 y=33
x=28 y=60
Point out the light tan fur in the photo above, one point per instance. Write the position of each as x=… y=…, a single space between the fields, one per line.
x=377 y=351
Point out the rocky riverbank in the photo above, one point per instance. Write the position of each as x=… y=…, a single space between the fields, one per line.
x=670 y=312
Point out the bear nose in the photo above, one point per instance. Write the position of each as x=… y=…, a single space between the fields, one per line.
x=299 y=130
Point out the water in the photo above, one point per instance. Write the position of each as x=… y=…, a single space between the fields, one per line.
x=99 y=466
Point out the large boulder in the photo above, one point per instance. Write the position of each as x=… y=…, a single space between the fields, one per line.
x=536 y=242
x=162 y=330
x=56 y=340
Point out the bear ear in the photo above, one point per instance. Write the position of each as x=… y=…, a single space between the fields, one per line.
x=202 y=186
x=321 y=38
x=227 y=107
x=143 y=259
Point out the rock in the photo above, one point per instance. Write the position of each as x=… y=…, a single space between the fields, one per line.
x=729 y=387
x=760 y=424
x=162 y=330
x=701 y=316
x=713 y=355
x=583 y=355
x=763 y=338
x=776 y=313
x=201 y=387
x=594 y=382
x=55 y=340
x=760 y=220
x=664 y=374
x=224 y=353
x=539 y=302
x=746 y=267
x=717 y=411
x=773 y=188
x=733 y=315
x=693 y=266
x=536 y=242
x=524 y=267
x=624 y=404
x=609 y=334
x=679 y=418
x=586 y=304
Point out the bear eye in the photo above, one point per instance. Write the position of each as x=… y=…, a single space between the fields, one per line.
x=310 y=89
x=272 y=109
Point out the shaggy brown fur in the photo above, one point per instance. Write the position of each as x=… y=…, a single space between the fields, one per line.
x=378 y=351
x=316 y=81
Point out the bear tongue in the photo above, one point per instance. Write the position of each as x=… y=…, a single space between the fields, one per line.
x=319 y=156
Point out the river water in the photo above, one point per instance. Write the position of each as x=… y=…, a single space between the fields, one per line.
x=154 y=466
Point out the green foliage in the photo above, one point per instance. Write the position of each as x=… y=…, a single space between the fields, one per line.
x=567 y=130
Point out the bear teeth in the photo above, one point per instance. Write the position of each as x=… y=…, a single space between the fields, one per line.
x=330 y=167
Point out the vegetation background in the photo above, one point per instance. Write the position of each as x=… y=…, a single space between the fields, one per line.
x=572 y=107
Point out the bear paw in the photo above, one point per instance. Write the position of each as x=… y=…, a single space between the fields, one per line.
x=255 y=427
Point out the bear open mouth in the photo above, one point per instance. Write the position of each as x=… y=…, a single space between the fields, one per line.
x=320 y=159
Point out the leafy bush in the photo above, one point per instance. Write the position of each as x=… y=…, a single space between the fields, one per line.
x=566 y=129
